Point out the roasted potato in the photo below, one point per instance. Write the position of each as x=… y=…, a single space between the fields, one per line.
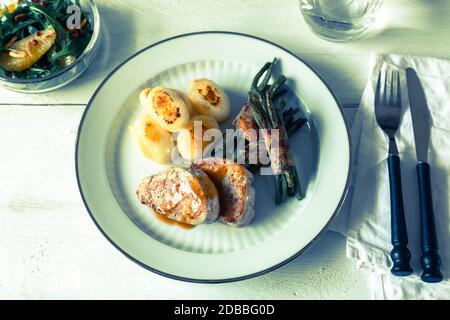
x=189 y=147
x=154 y=141
x=166 y=107
x=209 y=99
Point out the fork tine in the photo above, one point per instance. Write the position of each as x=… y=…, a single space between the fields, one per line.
x=399 y=90
x=378 y=89
x=391 y=93
x=385 y=88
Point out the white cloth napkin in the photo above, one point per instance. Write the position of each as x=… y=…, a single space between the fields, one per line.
x=367 y=222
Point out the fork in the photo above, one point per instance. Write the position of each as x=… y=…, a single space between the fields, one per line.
x=387 y=113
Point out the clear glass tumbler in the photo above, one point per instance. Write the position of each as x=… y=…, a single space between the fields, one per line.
x=339 y=20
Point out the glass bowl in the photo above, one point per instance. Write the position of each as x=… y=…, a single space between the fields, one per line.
x=69 y=73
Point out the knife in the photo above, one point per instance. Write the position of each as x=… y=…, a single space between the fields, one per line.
x=430 y=259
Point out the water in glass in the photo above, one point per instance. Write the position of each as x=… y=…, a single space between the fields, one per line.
x=339 y=20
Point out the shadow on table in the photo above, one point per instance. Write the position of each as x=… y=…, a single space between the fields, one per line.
x=410 y=21
x=441 y=212
x=321 y=271
x=116 y=44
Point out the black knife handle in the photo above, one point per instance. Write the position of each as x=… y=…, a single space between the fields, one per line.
x=400 y=254
x=430 y=259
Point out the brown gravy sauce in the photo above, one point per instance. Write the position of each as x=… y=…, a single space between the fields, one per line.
x=168 y=221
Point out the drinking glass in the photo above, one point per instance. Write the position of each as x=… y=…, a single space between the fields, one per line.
x=339 y=20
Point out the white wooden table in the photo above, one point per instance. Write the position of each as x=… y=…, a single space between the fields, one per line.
x=50 y=248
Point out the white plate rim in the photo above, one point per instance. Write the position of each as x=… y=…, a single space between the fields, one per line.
x=234 y=279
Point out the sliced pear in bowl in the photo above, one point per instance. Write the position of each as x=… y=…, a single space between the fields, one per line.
x=10 y=8
x=24 y=53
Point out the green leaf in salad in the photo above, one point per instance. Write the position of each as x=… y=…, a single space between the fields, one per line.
x=50 y=20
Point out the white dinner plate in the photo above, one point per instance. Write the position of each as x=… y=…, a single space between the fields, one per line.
x=109 y=165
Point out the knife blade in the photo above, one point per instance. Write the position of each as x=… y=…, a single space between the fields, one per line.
x=419 y=113
x=430 y=259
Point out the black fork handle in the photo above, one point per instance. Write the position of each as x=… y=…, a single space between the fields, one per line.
x=400 y=254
